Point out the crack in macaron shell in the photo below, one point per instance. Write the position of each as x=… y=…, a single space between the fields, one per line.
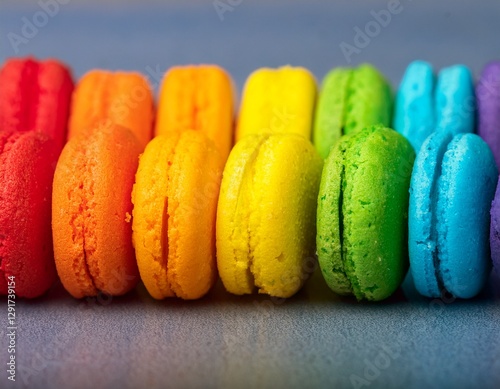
x=150 y=214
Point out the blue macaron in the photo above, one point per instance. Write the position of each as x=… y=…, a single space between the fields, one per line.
x=452 y=186
x=425 y=103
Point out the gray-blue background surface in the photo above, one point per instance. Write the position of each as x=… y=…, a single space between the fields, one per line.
x=314 y=339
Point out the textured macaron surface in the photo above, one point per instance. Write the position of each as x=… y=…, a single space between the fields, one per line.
x=104 y=98
x=266 y=214
x=175 y=200
x=495 y=230
x=453 y=184
x=91 y=212
x=35 y=96
x=426 y=103
x=277 y=101
x=25 y=208
x=414 y=115
x=350 y=100
x=362 y=213
x=455 y=100
x=488 y=105
x=198 y=98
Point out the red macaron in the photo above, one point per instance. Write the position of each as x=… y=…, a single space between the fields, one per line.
x=26 y=253
x=35 y=96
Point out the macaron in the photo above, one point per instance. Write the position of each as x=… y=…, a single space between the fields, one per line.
x=350 y=100
x=103 y=98
x=198 y=98
x=266 y=214
x=362 y=213
x=27 y=163
x=277 y=101
x=452 y=186
x=92 y=210
x=35 y=96
x=425 y=104
x=175 y=200
x=495 y=230
x=488 y=106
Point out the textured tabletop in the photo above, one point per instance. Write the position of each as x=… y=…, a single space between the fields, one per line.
x=315 y=339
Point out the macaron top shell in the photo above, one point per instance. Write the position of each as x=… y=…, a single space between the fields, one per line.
x=452 y=186
x=362 y=213
x=25 y=207
x=350 y=100
x=35 y=96
x=91 y=212
x=277 y=101
x=266 y=214
x=488 y=105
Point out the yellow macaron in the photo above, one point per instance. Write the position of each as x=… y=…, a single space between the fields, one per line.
x=277 y=101
x=266 y=214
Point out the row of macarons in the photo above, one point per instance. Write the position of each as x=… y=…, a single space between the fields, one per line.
x=178 y=210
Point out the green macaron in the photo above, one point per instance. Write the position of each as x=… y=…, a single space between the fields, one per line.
x=362 y=213
x=350 y=100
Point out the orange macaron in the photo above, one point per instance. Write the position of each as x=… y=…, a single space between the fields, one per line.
x=175 y=202
x=104 y=98
x=199 y=98
x=91 y=212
